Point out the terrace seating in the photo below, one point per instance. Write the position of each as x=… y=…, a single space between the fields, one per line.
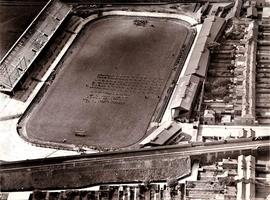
x=22 y=54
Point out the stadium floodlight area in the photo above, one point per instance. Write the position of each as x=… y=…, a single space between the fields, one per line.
x=25 y=50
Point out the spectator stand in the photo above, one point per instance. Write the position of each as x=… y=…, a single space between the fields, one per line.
x=25 y=50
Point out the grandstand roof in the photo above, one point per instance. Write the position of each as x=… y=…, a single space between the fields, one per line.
x=185 y=92
x=25 y=50
x=200 y=56
x=166 y=134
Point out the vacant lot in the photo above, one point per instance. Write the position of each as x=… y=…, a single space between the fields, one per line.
x=110 y=83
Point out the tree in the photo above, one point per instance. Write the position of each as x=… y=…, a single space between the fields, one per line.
x=147 y=183
x=172 y=182
x=220 y=91
x=221 y=82
x=226 y=99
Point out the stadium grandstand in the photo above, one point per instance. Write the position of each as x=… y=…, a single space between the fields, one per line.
x=188 y=86
x=199 y=60
x=22 y=54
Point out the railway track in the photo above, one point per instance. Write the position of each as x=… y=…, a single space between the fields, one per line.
x=113 y=167
x=198 y=148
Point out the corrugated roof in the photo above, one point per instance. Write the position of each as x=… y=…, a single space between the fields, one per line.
x=33 y=40
x=185 y=92
x=166 y=134
x=200 y=56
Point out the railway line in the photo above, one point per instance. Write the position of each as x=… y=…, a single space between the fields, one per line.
x=176 y=150
x=158 y=164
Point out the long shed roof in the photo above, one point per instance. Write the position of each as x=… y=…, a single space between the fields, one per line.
x=185 y=92
x=199 y=60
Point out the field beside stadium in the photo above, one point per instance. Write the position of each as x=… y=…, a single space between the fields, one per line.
x=110 y=83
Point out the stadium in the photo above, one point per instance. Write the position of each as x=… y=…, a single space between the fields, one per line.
x=109 y=76
x=168 y=97
x=111 y=80
x=112 y=83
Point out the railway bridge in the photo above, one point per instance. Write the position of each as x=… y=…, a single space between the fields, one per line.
x=153 y=164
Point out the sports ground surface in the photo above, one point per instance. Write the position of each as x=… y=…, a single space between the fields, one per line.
x=109 y=84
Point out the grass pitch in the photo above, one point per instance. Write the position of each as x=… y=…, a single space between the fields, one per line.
x=110 y=83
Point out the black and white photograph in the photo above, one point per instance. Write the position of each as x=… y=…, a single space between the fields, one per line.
x=134 y=99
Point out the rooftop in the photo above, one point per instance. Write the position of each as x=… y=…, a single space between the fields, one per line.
x=200 y=56
x=185 y=92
